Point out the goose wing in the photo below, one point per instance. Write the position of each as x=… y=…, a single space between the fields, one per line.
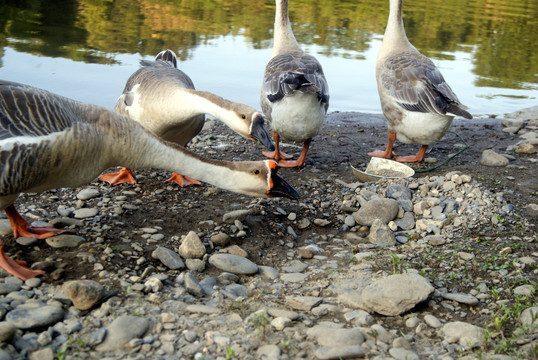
x=28 y=111
x=296 y=71
x=416 y=84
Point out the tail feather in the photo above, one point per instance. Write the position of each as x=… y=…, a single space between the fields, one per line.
x=168 y=56
x=458 y=110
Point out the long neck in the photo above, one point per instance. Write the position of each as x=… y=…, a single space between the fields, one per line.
x=395 y=38
x=204 y=102
x=284 y=41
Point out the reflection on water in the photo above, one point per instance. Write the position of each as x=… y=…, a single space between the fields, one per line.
x=87 y=49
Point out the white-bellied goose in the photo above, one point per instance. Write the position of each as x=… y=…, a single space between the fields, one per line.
x=48 y=141
x=417 y=102
x=163 y=100
x=295 y=94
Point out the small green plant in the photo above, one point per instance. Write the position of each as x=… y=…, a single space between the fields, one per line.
x=396 y=263
x=285 y=345
x=261 y=322
x=229 y=353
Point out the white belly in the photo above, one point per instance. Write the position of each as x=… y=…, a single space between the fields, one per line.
x=297 y=117
x=422 y=128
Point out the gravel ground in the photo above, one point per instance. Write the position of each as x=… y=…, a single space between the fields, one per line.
x=438 y=266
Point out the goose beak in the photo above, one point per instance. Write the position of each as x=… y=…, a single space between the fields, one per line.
x=280 y=187
x=258 y=132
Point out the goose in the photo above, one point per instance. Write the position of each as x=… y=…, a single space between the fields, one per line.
x=163 y=100
x=416 y=100
x=49 y=141
x=294 y=94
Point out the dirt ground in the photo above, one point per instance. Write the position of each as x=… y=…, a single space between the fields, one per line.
x=341 y=143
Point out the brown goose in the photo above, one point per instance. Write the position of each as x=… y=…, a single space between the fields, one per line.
x=163 y=100
x=417 y=102
x=295 y=94
x=49 y=141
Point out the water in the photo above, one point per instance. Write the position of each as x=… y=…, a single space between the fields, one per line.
x=86 y=50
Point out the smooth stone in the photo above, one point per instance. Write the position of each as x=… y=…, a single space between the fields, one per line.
x=529 y=317
x=407 y=222
x=192 y=247
x=527 y=149
x=293 y=277
x=192 y=285
x=524 y=290
x=275 y=312
x=83 y=293
x=37 y=317
x=268 y=352
x=268 y=272
x=232 y=216
x=491 y=158
x=42 y=354
x=403 y=354
x=233 y=264
x=385 y=296
x=281 y=322
x=195 y=265
x=97 y=337
x=65 y=241
x=5 y=227
x=202 y=309
x=353 y=351
x=381 y=234
x=461 y=298
x=359 y=317
x=330 y=336
x=26 y=241
x=88 y=193
x=235 y=250
x=432 y=321
x=7 y=331
x=305 y=303
x=435 y=240
x=295 y=266
x=64 y=222
x=383 y=209
x=121 y=331
x=467 y=335
x=6 y=288
x=85 y=213
x=168 y=257
x=221 y=239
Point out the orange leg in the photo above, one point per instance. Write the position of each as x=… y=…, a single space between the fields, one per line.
x=124 y=176
x=300 y=162
x=17 y=268
x=277 y=154
x=388 y=153
x=183 y=180
x=22 y=229
x=414 y=158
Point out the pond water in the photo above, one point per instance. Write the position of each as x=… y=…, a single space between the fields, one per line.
x=486 y=49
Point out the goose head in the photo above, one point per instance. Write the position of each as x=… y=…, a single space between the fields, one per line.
x=250 y=124
x=260 y=179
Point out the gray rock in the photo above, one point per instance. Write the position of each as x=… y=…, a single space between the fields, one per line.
x=275 y=312
x=193 y=286
x=85 y=213
x=491 y=158
x=529 y=317
x=37 y=317
x=383 y=209
x=331 y=336
x=169 y=258
x=97 y=337
x=359 y=317
x=233 y=263
x=432 y=321
x=403 y=354
x=5 y=227
x=121 y=331
x=268 y=272
x=268 y=352
x=461 y=298
x=192 y=247
x=231 y=216
x=42 y=354
x=83 y=293
x=385 y=296
x=195 y=265
x=467 y=335
x=296 y=266
x=303 y=302
x=88 y=193
x=380 y=234
x=398 y=192
x=6 y=288
x=345 y=352
x=221 y=239
x=65 y=241
x=281 y=322
x=293 y=277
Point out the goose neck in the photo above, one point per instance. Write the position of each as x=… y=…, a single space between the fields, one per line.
x=395 y=36
x=284 y=40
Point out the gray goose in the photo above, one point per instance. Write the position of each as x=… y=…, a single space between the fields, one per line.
x=295 y=94
x=163 y=100
x=416 y=100
x=48 y=141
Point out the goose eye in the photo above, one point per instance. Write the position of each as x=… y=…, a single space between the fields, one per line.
x=256 y=172
x=243 y=116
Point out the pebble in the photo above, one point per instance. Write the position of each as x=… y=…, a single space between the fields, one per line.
x=467 y=335
x=335 y=337
x=381 y=234
x=168 y=257
x=85 y=213
x=7 y=331
x=192 y=247
x=65 y=241
x=345 y=352
x=491 y=158
x=382 y=209
x=83 y=293
x=88 y=193
x=303 y=302
x=461 y=298
x=232 y=216
x=36 y=317
x=233 y=264
x=121 y=331
x=221 y=239
x=432 y=321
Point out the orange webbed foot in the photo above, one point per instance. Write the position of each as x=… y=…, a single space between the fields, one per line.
x=17 y=267
x=183 y=180
x=272 y=155
x=382 y=154
x=124 y=176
